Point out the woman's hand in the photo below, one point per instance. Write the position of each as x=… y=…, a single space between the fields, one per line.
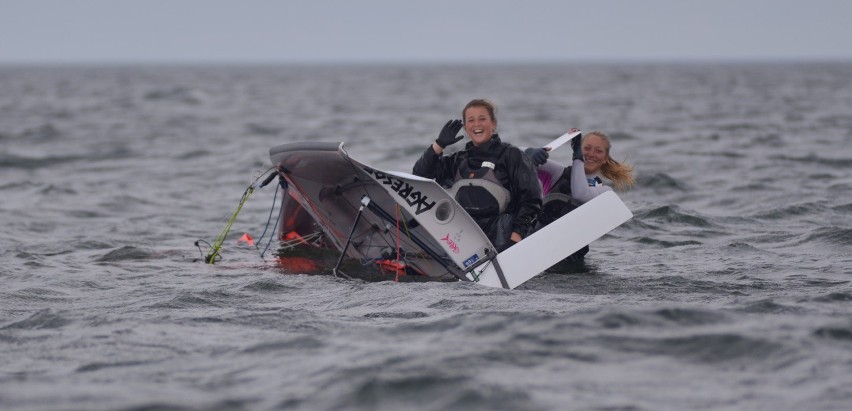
x=577 y=146
x=448 y=134
x=538 y=155
x=516 y=237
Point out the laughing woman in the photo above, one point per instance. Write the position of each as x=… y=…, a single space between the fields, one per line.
x=492 y=180
x=566 y=188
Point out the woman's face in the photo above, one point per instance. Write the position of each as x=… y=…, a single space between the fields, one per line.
x=594 y=153
x=478 y=124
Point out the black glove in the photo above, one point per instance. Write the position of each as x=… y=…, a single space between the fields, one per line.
x=577 y=146
x=537 y=155
x=448 y=133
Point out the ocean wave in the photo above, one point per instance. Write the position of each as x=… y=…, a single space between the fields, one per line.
x=92 y=245
x=837 y=120
x=97 y=366
x=178 y=94
x=264 y=129
x=41 y=133
x=834 y=297
x=844 y=208
x=681 y=317
x=713 y=349
x=690 y=316
x=194 y=154
x=205 y=299
x=770 y=307
x=830 y=235
x=286 y=320
x=431 y=390
x=840 y=333
x=815 y=159
x=750 y=187
x=126 y=253
x=745 y=248
x=112 y=152
x=681 y=284
x=40 y=320
x=397 y=315
x=739 y=127
x=302 y=342
x=660 y=182
x=32 y=163
x=55 y=189
x=792 y=210
x=84 y=214
x=123 y=203
x=665 y=216
x=664 y=243
x=266 y=286
x=826 y=238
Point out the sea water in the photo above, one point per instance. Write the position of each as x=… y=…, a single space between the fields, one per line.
x=729 y=289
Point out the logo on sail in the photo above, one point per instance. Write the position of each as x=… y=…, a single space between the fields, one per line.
x=418 y=201
x=450 y=243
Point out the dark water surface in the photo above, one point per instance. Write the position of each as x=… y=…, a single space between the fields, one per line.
x=730 y=289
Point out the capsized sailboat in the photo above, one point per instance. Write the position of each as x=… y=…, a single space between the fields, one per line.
x=395 y=223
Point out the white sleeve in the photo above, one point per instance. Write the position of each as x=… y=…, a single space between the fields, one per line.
x=580 y=188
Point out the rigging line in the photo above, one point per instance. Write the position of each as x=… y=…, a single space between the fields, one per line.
x=254 y=183
x=398 y=247
x=217 y=243
x=408 y=235
x=357 y=171
x=277 y=219
x=282 y=186
x=407 y=230
x=268 y=219
x=354 y=168
x=443 y=261
x=214 y=253
x=381 y=239
x=365 y=260
x=316 y=213
x=304 y=240
x=366 y=193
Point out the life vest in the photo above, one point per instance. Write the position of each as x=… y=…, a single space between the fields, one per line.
x=558 y=201
x=479 y=191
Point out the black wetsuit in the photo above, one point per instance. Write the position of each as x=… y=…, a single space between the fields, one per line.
x=514 y=171
x=563 y=197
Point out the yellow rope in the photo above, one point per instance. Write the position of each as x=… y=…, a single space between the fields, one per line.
x=217 y=244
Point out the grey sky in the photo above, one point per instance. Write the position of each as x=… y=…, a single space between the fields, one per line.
x=249 y=31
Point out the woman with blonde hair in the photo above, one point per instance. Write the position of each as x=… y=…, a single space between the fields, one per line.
x=566 y=188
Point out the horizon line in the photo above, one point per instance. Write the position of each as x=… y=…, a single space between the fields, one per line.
x=433 y=62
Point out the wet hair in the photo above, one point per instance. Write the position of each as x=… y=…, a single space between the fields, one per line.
x=620 y=174
x=481 y=102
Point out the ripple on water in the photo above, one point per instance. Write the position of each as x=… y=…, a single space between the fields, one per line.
x=664 y=317
x=713 y=349
x=793 y=210
x=841 y=333
x=42 y=319
x=834 y=297
x=674 y=215
x=835 y=236
x=126 y=253
x=661 y=182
